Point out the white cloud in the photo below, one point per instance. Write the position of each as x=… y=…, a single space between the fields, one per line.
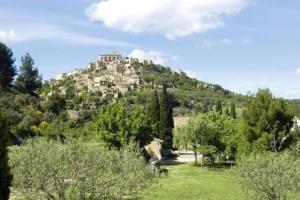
x=298 y=70
x=224 y=42
x=155 y=56
x=172 y=18
x=8 y=36
x=37 y=32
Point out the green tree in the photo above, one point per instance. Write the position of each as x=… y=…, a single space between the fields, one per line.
x=166 y=119
x=112 y=125
x=228 y=132
x=55 y=103
x=269 y=176
x=49 y=169
x=139 y=126
x=7 y=67
x=5 y=176
x=268 y=121
x=227 y=113
x=205 y=108
x=154 y=113
x=117 y=126
x=219 y=107
x=196 y=133
x=28 y=80
x=232 y=111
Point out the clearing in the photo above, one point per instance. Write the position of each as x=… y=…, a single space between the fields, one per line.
x=187 y=182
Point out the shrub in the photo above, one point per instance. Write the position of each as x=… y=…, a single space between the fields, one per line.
x=269 y=176
x=48 y=169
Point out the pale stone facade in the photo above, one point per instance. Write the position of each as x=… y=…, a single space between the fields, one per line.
x=110 y=75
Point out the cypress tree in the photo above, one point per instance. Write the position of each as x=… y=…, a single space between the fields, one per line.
x=5 y=176
x=29 y=80
x=154 y=113
x=7 y=67
x=227 y=113
x=219 y=107
x=205 y=108
x=232 y=111
x=166 y=119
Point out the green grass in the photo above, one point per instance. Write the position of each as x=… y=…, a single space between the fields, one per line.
x=187 y=182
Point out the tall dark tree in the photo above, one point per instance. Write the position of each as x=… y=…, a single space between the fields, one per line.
x=205 y=108
x=166 y=119
x=227 y=113
x=232 y=111
x=5 y=176
x=7 y=67
x=154 y=113
x=29 y=80
x=219 y=107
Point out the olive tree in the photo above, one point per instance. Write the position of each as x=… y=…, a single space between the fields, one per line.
x=269 y=176
x=47 y=169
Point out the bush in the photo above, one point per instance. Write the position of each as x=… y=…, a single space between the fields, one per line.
x=48 y=169
x=269 y=176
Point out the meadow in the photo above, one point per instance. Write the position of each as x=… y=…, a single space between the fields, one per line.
x=186 y=181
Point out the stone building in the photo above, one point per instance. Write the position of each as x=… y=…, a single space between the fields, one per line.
x=110 y=58
x=111 y=75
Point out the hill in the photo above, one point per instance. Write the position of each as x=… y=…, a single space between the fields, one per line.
x=113 y=77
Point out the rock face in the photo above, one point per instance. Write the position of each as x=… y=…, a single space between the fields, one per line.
x=110 y=76
x=154 y=148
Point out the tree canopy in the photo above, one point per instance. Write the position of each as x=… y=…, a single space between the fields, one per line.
x=232 y=111
x=166 y=119
x=117 y=125
x=5 y=176
x=268 y=121
x=7 y=67
x=49 y=169
x=196 y=133
x=28 y=80
x=269 y=176
x=154 y=113
x=219 y=108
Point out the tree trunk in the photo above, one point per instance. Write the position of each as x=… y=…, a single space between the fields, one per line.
x=61 y=196
x=202 y=163
x=81 y=195
x=275 y=143
x=196 y=158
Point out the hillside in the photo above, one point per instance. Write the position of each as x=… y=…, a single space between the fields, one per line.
x=113 y=77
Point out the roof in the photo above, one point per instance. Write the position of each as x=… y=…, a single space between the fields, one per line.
x=111 y=54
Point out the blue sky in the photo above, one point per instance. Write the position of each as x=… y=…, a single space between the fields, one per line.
x=242 y=45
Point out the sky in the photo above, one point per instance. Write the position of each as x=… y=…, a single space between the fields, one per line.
x=242 y=45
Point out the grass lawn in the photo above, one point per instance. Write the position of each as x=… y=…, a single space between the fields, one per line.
x=187 y=182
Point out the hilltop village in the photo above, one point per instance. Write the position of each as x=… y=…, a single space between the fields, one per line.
x=110 y=76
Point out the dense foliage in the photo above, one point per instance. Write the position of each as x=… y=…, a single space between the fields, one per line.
x=117 y=125
x=268 y=121
x=7 y=67
x=269 y=176
x=166 y=123
x=5 y=176
x=49 y=169
x=196 y=133
x=154 y=114
x=28 y=80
